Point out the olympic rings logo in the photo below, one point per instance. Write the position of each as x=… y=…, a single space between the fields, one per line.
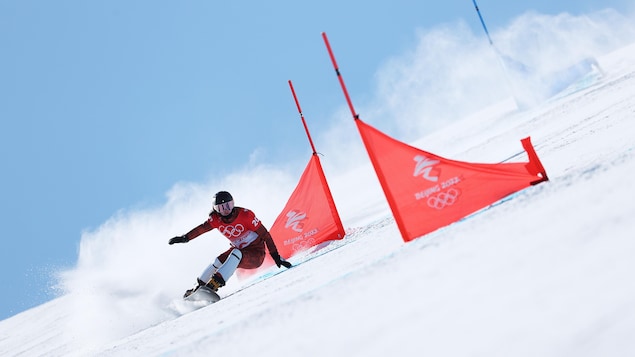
x=232 y=231
x=444 y=199
x=303 y=245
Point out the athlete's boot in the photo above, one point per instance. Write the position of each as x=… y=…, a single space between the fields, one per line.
x=216 y=282
x=190 y=291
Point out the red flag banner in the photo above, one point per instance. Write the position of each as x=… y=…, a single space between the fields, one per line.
x=309 y=218
x=426 y=192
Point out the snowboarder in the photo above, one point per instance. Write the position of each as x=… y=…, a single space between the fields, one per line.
x=247 y=237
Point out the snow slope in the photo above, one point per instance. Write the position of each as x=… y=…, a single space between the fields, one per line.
x=548 y=272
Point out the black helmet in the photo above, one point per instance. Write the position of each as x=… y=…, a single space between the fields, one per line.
x=223 y=203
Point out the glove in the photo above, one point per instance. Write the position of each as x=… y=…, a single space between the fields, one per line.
x=178 y=239
x=280 y=262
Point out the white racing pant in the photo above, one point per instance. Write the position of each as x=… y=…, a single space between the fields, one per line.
x=226 y=270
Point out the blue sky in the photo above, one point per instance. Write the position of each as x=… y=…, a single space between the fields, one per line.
x=107 y=105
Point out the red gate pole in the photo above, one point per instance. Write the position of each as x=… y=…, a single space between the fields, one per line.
x=306 y=128
x=339 y=76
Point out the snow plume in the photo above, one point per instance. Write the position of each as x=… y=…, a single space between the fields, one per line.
x=453 y=71
x=127 y=276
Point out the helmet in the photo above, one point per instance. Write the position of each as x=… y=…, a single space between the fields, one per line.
x=223 y=203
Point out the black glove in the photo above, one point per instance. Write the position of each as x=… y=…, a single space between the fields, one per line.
x=280 y=262
x=178 y=239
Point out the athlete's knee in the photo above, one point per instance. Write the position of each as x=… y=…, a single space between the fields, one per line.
x=231 y=263
x=236 y=254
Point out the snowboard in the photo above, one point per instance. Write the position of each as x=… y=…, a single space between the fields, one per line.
x=203 y=294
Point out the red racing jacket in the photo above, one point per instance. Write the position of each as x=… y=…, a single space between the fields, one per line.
x=242 y=228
